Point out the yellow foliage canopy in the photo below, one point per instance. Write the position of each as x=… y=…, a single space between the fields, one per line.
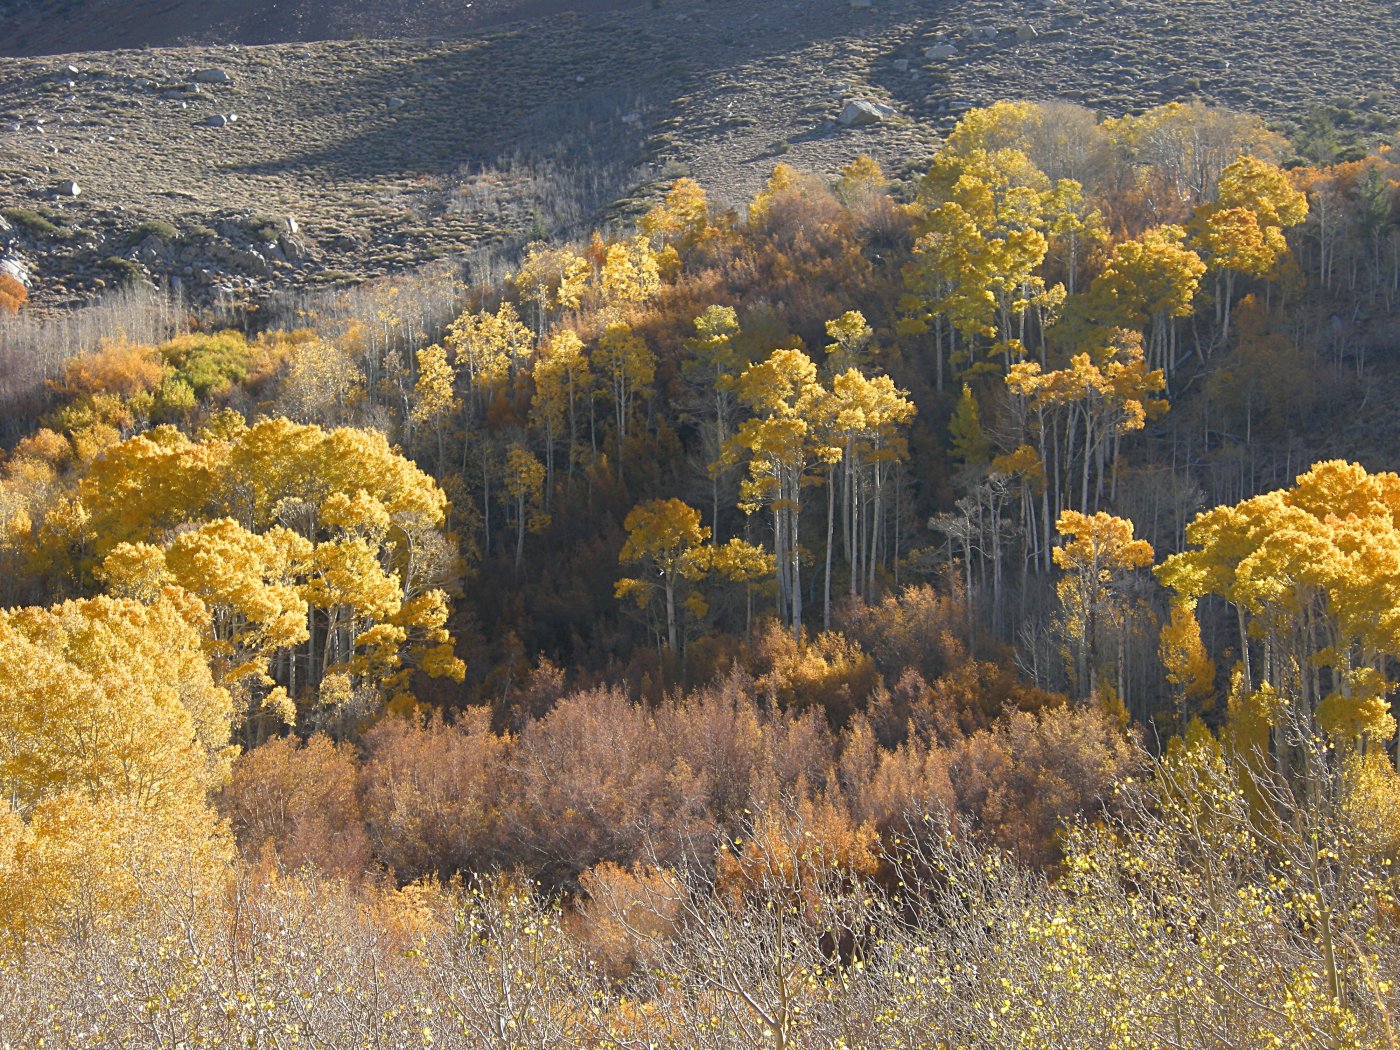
x=112 y=735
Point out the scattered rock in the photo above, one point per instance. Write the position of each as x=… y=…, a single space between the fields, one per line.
x=396 y=103
x=218 y=120
x=292 y=248
x=68 y=188
x=901 y=65
x=212 y=76
x=941 y=51
x=860 y=113
x=862 y=3
x=1025 y=34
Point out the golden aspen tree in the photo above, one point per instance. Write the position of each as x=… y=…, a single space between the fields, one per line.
x=1311 y=575
x=524 y=483
x=737 y=562
x=490 y=347
x=663 y=537
x=1098 y=557
x=553 y=280
x=863 y=419
x=1190 y=670
x=323 y=384
x=1073 y=228
x=1241 y=233
x=850 y=337
x=1179 y=151
x=434 y=394
x=783 y=442
x=372 y=520
x=862 y=181
x=1146 y=285
x=1080 y=413
x=629 y=274
x=1002 y=125
x=249 y=584
x=1026 y=470
x=980 y=246
x=709 y=371
x=112 y=736
x=682 y=220
x=562 y=378
x=783 y=179
x=623 y=359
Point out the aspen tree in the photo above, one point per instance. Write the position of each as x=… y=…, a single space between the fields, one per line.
x=663 y=538
x=1098 y=556
x=782 y=443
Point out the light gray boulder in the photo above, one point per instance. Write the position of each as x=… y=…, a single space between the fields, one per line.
x=859 y=114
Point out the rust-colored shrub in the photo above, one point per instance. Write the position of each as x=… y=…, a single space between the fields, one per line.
x=1022 y=778
x=595 y=781
x=625 y=913
x=303 y=800
x=433 y=794
x=13 y=294
x=794 y=849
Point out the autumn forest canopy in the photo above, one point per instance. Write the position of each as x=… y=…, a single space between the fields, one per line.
x=960 y=610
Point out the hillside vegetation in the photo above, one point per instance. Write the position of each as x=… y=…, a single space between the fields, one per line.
x=951 y=612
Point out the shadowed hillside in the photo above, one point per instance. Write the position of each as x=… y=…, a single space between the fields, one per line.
x=48 y=27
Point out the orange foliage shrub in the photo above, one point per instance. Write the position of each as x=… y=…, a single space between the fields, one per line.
x=303 y=801
x=13 y=294
x=593 y=781
x=119 y=367
x=892 y=790
x=625 y=912
x=918 y=628
x=793 y=849
x=1028 y=773
x=941 y=692
x=46 y=446
x=433 y=794
x=719 y=731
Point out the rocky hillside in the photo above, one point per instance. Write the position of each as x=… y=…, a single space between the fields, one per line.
x=51 y=27
x=236 y=169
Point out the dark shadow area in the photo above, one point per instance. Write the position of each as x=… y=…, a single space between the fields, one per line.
x=54 y=27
